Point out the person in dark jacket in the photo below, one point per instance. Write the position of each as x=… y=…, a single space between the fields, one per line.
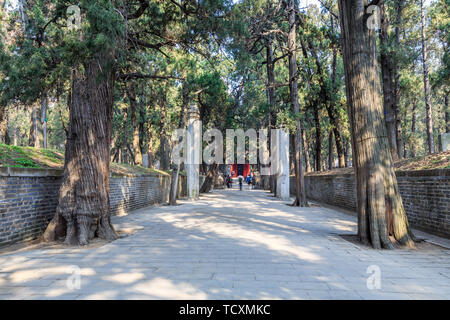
x=249 y=181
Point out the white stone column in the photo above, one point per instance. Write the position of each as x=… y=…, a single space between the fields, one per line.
x=193 y=152
x=282 y=164
x=274 y=156
x=275 y=161
x=145 y=163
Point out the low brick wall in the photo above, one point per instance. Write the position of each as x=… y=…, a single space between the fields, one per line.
x=28 y=199
x=425 y=194
x=131 y=193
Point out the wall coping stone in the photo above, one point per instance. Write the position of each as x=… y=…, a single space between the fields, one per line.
x=29 y=172
x=409 y=173
x=38 y=172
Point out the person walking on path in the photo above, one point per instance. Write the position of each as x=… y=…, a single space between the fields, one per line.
x=228 y=181
x=249 y=181
x=241 y=180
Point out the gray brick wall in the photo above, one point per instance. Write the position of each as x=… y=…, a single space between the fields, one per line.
x=28 y=199
x=425 y=194
x=131 y=193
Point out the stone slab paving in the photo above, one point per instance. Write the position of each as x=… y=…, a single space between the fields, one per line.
x=229 y=245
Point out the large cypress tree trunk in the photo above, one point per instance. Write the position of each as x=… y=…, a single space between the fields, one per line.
x=381 y=216
x=83 y=210
x=300 y=195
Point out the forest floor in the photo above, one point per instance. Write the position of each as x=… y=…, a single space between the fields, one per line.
x=39 y=158
x=230 y=244
x=427 y=162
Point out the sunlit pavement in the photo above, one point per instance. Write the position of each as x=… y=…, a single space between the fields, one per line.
x=229 y=245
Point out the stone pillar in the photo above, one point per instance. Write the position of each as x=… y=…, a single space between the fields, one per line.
x=275 y=159
x=445 y=141
x=193 y=152
x=283 y=165
x=145 y=163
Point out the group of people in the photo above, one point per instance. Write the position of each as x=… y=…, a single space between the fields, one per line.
x=249 y=180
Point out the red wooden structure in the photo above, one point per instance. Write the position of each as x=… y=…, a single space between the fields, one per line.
x=240 y=170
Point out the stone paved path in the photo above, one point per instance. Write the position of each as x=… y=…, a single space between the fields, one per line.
x=228 y=245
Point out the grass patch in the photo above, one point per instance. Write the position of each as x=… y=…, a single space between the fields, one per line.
x=30 y=157
x=122 y=169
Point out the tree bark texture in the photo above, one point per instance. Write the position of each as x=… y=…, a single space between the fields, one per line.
x=83 y=210
x=208 y=184
x=381 y=217
x=330 y=150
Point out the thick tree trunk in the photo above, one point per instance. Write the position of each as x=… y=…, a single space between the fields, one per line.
x=208 y=184
x=381 y=216
x=300 y=195
x=330 y=150
x=83 y=210
x=426 y=84
x=388 y=83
